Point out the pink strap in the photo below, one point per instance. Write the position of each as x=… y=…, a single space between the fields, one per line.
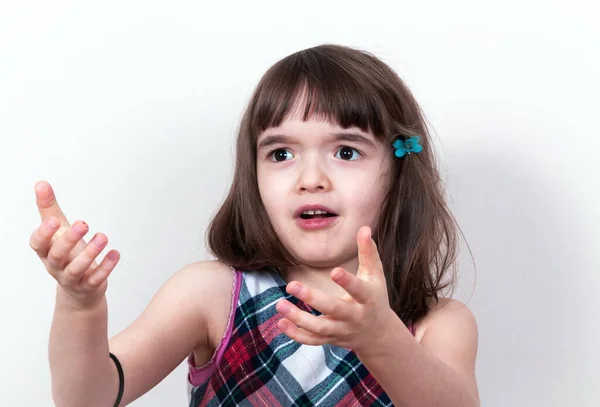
x=199 y=375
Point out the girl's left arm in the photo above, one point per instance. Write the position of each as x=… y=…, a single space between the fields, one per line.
x=437 y=371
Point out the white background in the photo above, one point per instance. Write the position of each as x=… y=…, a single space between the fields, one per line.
x=129 y=109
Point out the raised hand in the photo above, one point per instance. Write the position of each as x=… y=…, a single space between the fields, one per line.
x=66 y=256
x=355 y=321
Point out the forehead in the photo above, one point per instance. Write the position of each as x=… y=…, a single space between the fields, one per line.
x=296 y=131
x=309 y=127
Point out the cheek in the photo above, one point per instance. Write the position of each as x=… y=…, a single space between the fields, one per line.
x=271 y=191
x=368 y=203
x=365 y=197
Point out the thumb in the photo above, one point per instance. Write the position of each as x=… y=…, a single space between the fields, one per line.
x=47 y=204
x=368 y=255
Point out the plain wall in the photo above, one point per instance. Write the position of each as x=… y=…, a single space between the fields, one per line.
x=129 y=109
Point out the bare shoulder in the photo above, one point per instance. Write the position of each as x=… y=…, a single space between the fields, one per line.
x=209 y=286
x=209 y=277
x=204 y=276
x=198 y=284
x=450 y=333
x=204 y=267
x=447 y=311
x=448 y=317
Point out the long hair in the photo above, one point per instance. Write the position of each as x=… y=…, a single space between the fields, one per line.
x=416 y=234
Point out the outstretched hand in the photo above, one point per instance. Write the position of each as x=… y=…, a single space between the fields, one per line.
x=354 y=321
x=66 y=256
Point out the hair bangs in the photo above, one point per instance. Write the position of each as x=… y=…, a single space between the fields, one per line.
x=315 y=86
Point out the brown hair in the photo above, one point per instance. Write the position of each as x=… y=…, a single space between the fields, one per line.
x=416 y=233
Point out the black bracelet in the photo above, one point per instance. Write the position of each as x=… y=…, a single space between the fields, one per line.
x=121 y=379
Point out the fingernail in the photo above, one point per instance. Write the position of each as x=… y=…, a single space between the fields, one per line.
x=39 y=186
x=80 y=228
x=337 y=273
x=99 y=240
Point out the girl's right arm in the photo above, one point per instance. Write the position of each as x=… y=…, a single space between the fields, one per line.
x=171 y=327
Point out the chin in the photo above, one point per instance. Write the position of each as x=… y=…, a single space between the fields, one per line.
x=319 y=263
x=321 y=249
x=320 y=260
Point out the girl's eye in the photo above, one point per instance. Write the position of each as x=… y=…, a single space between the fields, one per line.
x=347 y=153
x=280 y=155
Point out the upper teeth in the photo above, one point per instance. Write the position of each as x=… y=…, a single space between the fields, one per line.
x=316 y=212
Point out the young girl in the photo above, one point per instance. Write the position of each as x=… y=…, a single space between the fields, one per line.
x=334 y=245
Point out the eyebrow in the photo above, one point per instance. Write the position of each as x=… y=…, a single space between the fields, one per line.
x=273 y=139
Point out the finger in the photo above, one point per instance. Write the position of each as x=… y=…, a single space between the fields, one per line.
x=357 y=288
x=301 y=335
x=59 y=254
x=41 y=238
x=321 y=326
x=99 y=275
x=75 y=270
x=368 y=256
x=324 y=303
x=46 y=202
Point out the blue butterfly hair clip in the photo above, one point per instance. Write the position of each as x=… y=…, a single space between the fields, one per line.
x=404 y=147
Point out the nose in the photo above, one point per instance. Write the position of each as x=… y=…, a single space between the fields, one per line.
x=313 y=178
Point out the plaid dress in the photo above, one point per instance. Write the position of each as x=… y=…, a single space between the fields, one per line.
x=256 y=364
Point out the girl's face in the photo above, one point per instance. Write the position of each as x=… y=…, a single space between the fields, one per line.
x=316 y=165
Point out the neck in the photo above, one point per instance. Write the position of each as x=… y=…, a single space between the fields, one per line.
x=317 y=277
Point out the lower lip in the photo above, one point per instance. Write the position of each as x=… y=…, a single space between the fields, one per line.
x=316 y=223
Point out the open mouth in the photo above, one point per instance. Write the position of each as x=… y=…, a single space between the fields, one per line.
x=316 y=214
